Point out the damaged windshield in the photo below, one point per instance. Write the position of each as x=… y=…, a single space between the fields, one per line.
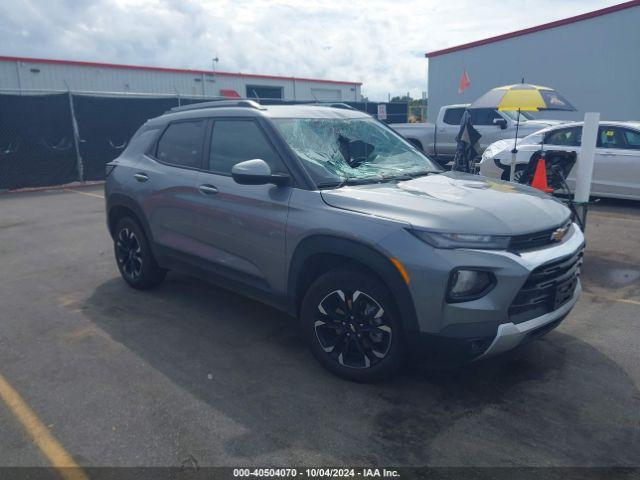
x=356 y=150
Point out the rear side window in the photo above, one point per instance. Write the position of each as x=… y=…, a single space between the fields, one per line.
x=611 y=137
x=633 y=139
x=182 y=143
x=453 y=116
x=566 y=137
x=234 y=141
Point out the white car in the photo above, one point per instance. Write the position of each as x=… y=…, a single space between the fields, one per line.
x=616 y=172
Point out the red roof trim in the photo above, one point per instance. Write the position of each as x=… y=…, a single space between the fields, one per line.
x=165 y=69
x=229 y=93
x=538 y=28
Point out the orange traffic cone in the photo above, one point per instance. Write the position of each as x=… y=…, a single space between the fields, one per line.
x=540 y=177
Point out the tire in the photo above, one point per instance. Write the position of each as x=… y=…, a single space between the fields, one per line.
x=351 y=325
x=134 y=257
x=518 y=173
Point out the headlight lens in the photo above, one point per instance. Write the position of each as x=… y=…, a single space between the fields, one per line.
x=463 y=240
x=466 y=285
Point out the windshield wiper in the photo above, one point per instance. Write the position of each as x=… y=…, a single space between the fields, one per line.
x=351 y=181
x=411 y=175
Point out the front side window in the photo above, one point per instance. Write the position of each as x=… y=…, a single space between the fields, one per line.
x=360 y=150
x=234 y=141
x=533 y=139
x=483 y=116
x=565 y=137
x=181 y=144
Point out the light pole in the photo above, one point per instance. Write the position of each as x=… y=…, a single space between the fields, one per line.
x=214 y=61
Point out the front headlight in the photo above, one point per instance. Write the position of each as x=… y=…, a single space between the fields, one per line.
x=463 y=240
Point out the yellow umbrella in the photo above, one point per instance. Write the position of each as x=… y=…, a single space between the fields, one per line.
x=522 y=96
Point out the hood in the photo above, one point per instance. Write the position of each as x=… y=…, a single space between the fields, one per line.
x=456 y=203
x=539 y=124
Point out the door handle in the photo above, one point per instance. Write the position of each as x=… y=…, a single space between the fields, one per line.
x=141 y=177
x=208 y=189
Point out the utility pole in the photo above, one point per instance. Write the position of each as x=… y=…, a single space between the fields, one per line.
x=214 y=62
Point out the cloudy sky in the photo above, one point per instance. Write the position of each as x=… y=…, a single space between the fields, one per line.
x=380 y=43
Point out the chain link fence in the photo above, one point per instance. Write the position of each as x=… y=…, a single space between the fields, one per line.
x=53 y=139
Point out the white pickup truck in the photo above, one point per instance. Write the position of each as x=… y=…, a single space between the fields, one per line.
x=439 y=140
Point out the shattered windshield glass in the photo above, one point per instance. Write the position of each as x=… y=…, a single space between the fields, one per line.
x=336 y=151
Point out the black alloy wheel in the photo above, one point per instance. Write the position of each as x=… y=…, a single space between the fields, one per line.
x=351 y=324
x=129 y=253
x=134 y=257
x=352 y=328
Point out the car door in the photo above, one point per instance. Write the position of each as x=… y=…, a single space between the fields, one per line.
x=168 y=184
x=242 y=227
x=483 y=120
x=447 y=130
x=617 y=161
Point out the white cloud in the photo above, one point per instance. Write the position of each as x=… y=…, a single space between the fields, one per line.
x=381 y=43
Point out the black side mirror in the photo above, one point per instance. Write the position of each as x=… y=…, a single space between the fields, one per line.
x=501 y=122
x=257 y=172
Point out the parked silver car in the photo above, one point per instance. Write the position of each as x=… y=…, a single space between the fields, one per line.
x=616 y=169
x=332 y=217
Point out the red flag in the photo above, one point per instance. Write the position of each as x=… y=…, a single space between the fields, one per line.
x=465 y=82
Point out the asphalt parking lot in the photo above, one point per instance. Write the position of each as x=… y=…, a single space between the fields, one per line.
x=191 y=372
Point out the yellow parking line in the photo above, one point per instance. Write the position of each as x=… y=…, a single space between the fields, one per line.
x=626 y=300
x=59 y=458
x=83 y=193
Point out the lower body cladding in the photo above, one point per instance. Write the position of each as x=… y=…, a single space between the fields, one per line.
x=531 y=294
x=510 y=335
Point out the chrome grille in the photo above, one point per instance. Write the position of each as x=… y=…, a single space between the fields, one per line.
x=530 y=241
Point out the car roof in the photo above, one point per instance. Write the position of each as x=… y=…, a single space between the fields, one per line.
x=253 y=109
x=604 y=123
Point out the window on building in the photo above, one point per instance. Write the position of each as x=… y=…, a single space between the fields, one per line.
x=453 y=116
x=181 y=144
x=483 y=116
x=566 y=137
x=264 y=92
x=234 y=141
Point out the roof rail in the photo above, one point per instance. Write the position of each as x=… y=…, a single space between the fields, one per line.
x=344 y=106
x=219 y=104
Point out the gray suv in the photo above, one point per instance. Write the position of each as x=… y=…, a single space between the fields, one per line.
x=332 y=217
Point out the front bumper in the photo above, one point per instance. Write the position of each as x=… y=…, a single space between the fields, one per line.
x=510 y=335
x=488 y=325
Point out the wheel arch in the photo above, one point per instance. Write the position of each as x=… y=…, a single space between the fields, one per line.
x=318 y=254
x=120 y=206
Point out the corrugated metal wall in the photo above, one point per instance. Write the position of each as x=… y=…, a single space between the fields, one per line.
x=26 y=76
x=595 y=63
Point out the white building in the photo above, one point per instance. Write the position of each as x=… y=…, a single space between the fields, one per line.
x=37 y=75
x=592 y=59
